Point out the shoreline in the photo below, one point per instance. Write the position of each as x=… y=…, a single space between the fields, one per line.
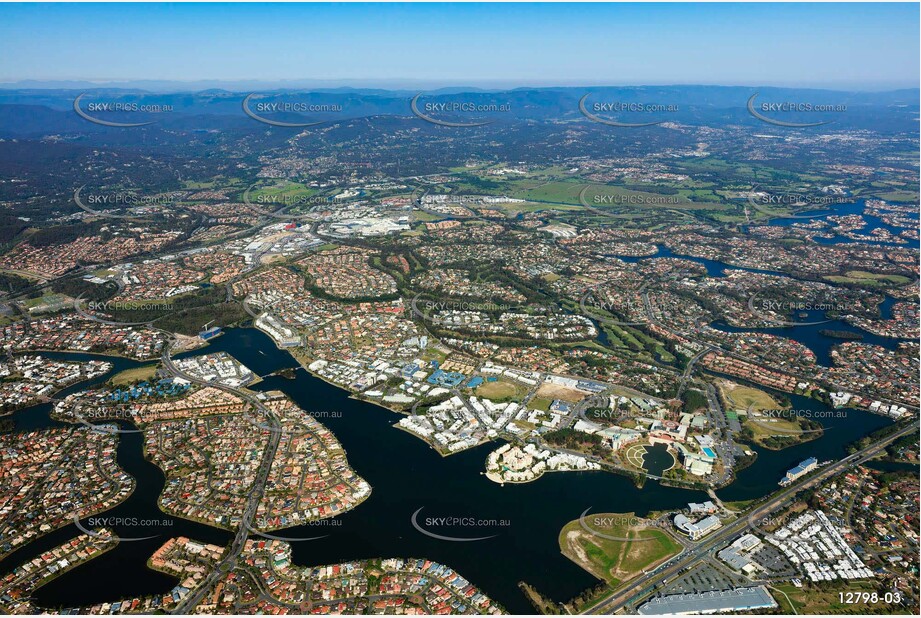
x=112 y=543
x=357 y=397
x=103 y=354
x=41 y=535
x=212 y=524
x=49 y=398
x=503 y=482
x=817 y=434
x=565 y=544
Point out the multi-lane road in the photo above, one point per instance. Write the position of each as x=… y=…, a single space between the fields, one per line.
x=643 y=586
x=228 y=562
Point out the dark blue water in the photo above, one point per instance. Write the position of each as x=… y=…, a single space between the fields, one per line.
x=714 y=268
x=808 y=335
x=657 y=459
x=853 y=208
x=36 y=417
x=762 y=476
x=126 y=572
x=892 y=466
x=406 y=475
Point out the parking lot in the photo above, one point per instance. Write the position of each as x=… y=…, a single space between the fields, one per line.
x=703 y=579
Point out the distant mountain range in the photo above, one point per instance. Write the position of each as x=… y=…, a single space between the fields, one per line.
x=361 y=85
x=34 y=108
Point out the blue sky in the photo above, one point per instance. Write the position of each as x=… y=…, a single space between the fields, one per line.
x=867 y=46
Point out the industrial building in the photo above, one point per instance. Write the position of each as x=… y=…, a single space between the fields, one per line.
x=715 y=601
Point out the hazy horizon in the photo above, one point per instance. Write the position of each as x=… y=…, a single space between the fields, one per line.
x=855 y=46
x=167 y=86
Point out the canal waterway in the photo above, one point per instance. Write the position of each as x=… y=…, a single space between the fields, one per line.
x=809 y=335
x=409 y=478
x=523 y=521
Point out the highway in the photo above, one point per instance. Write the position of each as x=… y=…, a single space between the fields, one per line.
x=187 y=605
x=643 y=586
x=690 y=367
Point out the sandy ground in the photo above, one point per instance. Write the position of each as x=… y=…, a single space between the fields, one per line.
x=555 y=391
